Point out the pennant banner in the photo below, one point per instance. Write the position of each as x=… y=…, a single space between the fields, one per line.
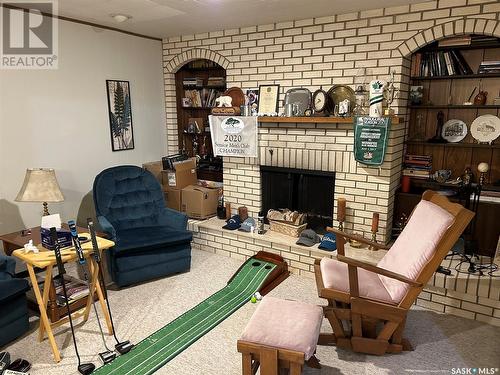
x=370 y=139
x=234 y=136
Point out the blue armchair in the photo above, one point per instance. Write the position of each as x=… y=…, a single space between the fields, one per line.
x=13 y=306
x=151 y=240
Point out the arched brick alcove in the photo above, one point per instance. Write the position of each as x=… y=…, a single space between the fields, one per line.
x=454 y=28
x=171 y=67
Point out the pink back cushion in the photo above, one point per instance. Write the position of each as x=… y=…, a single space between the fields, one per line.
x=414 y=246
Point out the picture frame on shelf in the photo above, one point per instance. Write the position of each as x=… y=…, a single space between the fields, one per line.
x=120 y=115
x=252 y=99
x=268 y=99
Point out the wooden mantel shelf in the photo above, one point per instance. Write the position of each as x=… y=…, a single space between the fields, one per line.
x=316 y=120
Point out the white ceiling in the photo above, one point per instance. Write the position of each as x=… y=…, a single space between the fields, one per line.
x=162 y=18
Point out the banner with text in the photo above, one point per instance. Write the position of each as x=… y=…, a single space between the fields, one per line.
x=234 y=136
x=370 y=139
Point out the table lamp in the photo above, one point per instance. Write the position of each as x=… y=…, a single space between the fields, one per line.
x=40 y=185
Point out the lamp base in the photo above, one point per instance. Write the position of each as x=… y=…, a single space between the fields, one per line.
x=45 y=209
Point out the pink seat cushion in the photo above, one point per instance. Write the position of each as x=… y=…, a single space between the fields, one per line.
x=415 y=246
x=285 y=324
x=335 y=276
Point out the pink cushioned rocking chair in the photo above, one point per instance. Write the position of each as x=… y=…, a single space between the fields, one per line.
x=367 y=304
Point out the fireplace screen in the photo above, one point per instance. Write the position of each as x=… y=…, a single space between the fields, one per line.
x=306 y=191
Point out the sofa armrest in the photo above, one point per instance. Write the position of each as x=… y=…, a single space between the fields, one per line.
x=173 y=219
x=7 y=264
x=12 y=288
x=107 y=227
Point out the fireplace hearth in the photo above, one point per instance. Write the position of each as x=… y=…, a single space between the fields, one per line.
x=307 y=191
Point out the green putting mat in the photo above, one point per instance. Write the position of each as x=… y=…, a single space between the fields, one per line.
x=163 y=345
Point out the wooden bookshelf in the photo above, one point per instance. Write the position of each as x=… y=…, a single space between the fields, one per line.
x=447 y=94
x=203 y=69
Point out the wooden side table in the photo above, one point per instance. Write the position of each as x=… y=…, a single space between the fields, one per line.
x=46 y=260
x=15 y=240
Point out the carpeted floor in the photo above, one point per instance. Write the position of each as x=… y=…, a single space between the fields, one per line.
x=442 y=342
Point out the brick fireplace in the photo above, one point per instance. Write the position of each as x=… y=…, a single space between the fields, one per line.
x=321 y=147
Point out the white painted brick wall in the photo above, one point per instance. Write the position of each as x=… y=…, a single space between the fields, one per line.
x=323 y=52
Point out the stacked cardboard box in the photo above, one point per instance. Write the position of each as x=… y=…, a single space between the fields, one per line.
x=181 y=189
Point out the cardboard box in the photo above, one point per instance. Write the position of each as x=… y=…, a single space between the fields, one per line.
x=183 y=175
x=199 y=202
x=155 y=167
x=173 y=198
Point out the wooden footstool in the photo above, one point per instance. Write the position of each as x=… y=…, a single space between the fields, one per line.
x=280 y=335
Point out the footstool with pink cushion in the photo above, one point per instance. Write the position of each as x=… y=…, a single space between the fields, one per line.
x=281 y=335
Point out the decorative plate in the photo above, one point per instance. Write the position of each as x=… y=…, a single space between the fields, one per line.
x=454 y=130
x=339 y=93
x=237 y=95
x=301 y=97
x=485 y=128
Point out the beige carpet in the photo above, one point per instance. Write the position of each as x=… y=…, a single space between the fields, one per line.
x=442 y=342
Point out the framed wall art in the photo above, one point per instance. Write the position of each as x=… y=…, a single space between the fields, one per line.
x=120 y=115
x=268 y=98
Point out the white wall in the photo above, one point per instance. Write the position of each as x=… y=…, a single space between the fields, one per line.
x=59 y=119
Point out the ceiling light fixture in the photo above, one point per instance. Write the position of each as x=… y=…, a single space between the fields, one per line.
x=120 y=17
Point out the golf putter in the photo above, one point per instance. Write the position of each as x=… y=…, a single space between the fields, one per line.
x=108 y=355
x=83 y=368
x=121 y=347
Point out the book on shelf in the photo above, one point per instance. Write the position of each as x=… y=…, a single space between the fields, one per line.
x=216 y=82
x=416 y=173
x=489 y=67
x=202 y=98
x=439 y=63
x=193 y=81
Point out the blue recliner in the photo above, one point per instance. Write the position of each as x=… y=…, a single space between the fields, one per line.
x=151 y=240
x=13 y=306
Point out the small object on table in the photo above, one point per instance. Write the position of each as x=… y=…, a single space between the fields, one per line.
x=341 y=208
x=405 y=184
x=258 y=296
x=260 y=220
x=228 y=210
x=375 y=220
x=29 y=247
x=483 y=168
x=467 y=176
x=480 y=98
x=243 y=213
x=26 y=232
x=468 y=102
x=438 y=138
x=253 y=299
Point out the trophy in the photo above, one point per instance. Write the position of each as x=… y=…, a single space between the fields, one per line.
x=390 y=94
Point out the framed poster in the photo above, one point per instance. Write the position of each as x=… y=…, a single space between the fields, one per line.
x=120 y=115
x=268 y=98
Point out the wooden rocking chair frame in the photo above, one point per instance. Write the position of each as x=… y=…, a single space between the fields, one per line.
x=356 y=320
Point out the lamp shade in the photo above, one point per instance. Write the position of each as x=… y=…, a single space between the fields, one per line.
x=40 y=185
